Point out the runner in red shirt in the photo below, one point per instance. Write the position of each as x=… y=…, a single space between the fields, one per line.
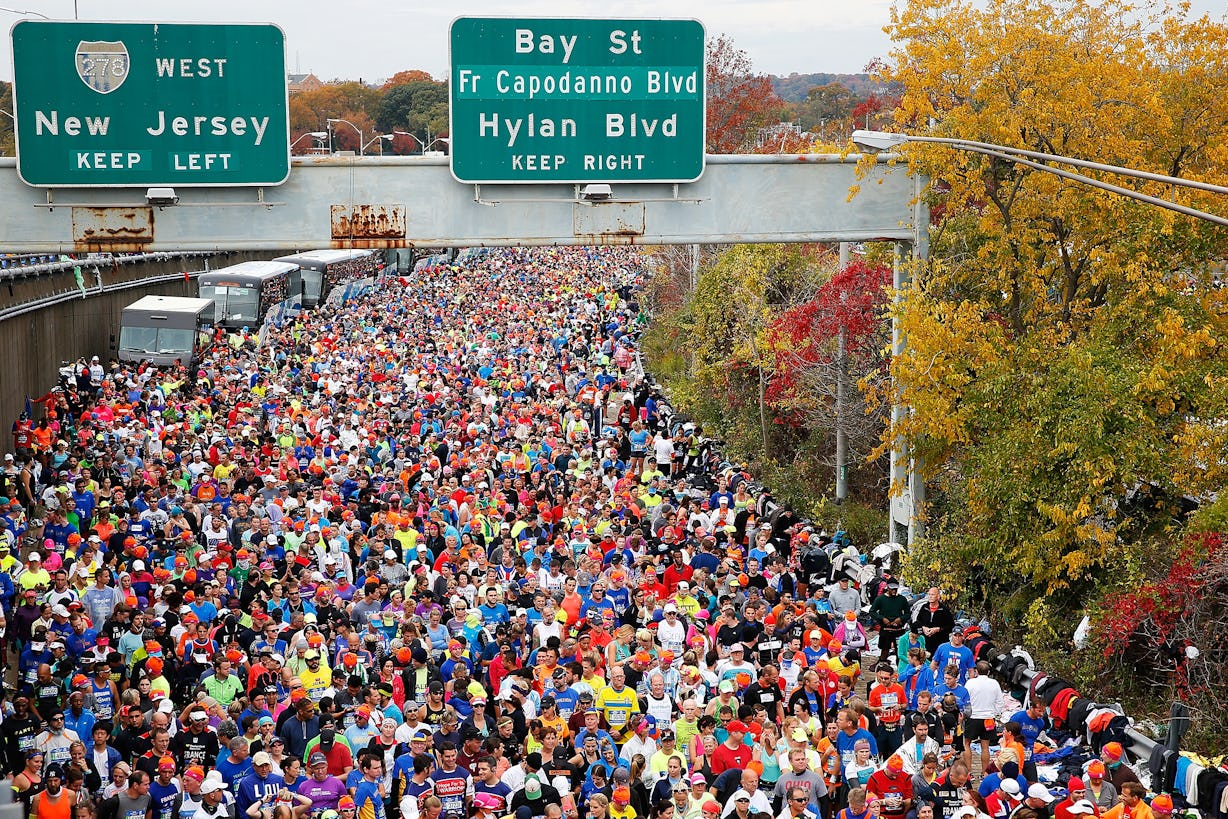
x=733 y=752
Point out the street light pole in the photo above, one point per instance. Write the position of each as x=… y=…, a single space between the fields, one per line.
x=443 y=139
x=380 y=138
x=335 y=119
x=407 y=134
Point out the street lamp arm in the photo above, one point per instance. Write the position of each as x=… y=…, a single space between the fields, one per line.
x=25 y=11
x=1096 y=183
x=376 y=139
x=313 y=134
x=886 y=139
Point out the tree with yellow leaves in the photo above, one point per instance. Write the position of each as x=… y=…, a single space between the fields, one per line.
x=1064 y=372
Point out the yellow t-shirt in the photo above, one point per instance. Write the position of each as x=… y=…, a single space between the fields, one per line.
x=618 y=706
x=31 y=579
x=315 y=683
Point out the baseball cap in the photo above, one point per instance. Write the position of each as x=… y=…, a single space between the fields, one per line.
x=1039 y=791
x=262 y=758
x=345 y=803
x=737 y=726
x=1009 y=786
x=698 y=779
x=679 y=786
x=740 y=795
x=1083 y=806
x=318 y=759
x=212 y=785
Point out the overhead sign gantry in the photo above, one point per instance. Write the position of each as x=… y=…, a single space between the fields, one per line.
x=576 y=100
x=140 y=104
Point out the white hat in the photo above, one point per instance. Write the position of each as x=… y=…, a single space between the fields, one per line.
x=59 y=611
x=35 y=556
x=1009 y=786
x=966 y=810
x=211 y=786
x=1039 y=791
x=1082 y=806
x=138 y=565
x=262 y=758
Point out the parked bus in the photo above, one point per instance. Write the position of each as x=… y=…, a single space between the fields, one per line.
x=165 y=329
x=325 y=271
x=252 y=294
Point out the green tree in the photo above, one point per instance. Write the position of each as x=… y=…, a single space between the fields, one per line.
x=419 y=107
x=832 y=102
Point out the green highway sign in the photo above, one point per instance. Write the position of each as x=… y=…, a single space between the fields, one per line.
x=576 y=100
x=136 y=104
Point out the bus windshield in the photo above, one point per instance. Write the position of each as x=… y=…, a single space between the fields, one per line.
x=311 y=285
x=232 y=303
x=156 y=340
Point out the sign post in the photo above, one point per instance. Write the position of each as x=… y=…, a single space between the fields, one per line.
x=576 y=100
x=137 y=104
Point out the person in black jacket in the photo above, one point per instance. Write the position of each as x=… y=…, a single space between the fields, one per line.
x=935 y=621
x=419 y=674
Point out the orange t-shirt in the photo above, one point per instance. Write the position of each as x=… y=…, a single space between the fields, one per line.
x=892 y=698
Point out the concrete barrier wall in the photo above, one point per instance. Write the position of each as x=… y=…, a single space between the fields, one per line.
x=35 y=336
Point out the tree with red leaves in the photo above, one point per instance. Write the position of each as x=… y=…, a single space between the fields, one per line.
x=739 y=101
x=805 y=340
x=1172 y=629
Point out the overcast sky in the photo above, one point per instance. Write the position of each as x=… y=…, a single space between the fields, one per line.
x=374 y=39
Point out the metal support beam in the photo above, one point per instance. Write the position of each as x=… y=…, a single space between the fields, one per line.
x=900 y=514
x=842 y=438
x=370 y=202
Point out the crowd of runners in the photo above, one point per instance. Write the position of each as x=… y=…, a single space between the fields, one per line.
x=440 y=554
